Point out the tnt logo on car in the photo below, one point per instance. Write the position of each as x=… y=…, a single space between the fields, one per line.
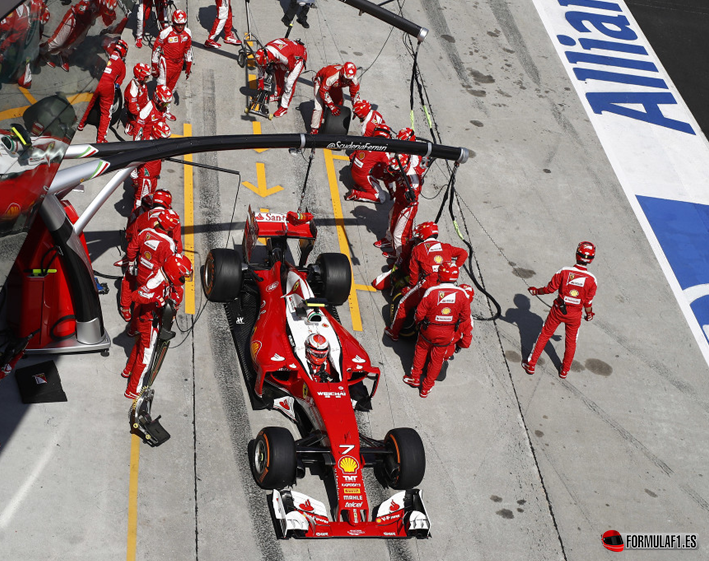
x=612 y=540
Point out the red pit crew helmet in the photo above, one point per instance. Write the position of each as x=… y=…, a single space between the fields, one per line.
x=585 y=252
x=393 y=165
x=316 y=349
x=426 y=230
x=349 y=71
x=161 y=130
x=141 y=71
x=362 y=108
x=162 y=198
x=178 y=268
x=122 y=47
x=448 y=272
x=406 y=134
x=383 y=131
x=179 y=18
x=261 y=57
x=168 y=219
x=163 y=95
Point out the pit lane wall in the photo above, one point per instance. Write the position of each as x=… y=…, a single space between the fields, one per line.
x=656 y=148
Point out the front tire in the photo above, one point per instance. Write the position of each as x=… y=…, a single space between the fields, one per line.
x=222 y=275
x=273 y=458
x=405 y=465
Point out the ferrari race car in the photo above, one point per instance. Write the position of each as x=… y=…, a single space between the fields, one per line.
x=274 y=308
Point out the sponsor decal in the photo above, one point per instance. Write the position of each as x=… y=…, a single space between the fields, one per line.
x=272 y=287
x=42 y=379
x=148 y=255
x=444 y=298
x=578 y=281
x=351 y=484
x=255 y=347
x=348 y=464
x=349 y=478
x=173 y=39
x=277 y=358
x=292 y=366
x=12 y=212
x=270 y=217
x=438 y=259
x=444 y=318
x=356 y=146
x=354 y=505
x=353 y=497
x=358 y=360
x=239 y=321
x=306 y=506
x=393 y=506
x=446 y=311
x=574 y=292
x=322 y=534
x=389 y=533
x=336 y=395
x=355 y=532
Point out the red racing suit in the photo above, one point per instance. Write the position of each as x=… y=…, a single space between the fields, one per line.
x=111 y=79
x=445 y=322
x=328 y=84
x=135 y=98
x=373 y=120
x=222 y=21
x=148 y=300
x=148 y=116
x=143 y=14
x=148 y=251
x=75 y=25
x=406 y=200
x=368 y=168
x=425 y=259
x=289 y=59
x=146 y=181
x=148 y=220
x=171 y=51
x=577 y=288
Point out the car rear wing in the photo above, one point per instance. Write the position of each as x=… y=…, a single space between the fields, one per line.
x=269 y=225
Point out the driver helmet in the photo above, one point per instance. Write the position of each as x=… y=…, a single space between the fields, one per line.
x=316 y=349
x=406 y=134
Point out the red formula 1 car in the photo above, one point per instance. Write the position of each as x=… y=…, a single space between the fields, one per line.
x=274 y=306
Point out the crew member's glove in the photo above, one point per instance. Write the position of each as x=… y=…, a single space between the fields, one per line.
x=533 y=291
x=314 y=131
x=410 y=196
x=335 y=111
x=158 y=299
x=155 y=71
x=458 y=349
x=589 y=316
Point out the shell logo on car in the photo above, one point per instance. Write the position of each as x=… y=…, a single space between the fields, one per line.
x=255 y=347
x=348 y=464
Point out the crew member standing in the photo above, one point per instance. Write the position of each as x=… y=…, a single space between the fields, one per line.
x=110 y=81
x=222 y=21
x=328 y=85
x=576 y=287
x=293 y=7
x=288 y=59
x=136 y=95
x=172 y=51
x=149 y=299
x=445 y=324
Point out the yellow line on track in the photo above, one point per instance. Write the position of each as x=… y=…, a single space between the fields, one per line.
x=133 y=498
x=188 y=222
x=28 y=95
x=342 y=235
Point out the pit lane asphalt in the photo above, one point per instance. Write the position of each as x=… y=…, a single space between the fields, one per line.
x=519 y=467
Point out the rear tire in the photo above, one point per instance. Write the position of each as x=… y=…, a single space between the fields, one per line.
x=222 y=275
x=337 y=124
x=273 y=459
x=405 y=466
x=335 y=277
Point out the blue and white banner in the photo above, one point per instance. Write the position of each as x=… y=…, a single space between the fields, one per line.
x=653 y=142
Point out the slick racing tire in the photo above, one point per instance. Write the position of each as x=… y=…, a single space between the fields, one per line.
x=409 y=327
x=273 y=459
x=405 y=465
x=222 y=275
x=337 y=124
x=335 y=277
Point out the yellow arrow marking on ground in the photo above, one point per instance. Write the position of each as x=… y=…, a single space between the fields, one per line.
x=262 y=190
